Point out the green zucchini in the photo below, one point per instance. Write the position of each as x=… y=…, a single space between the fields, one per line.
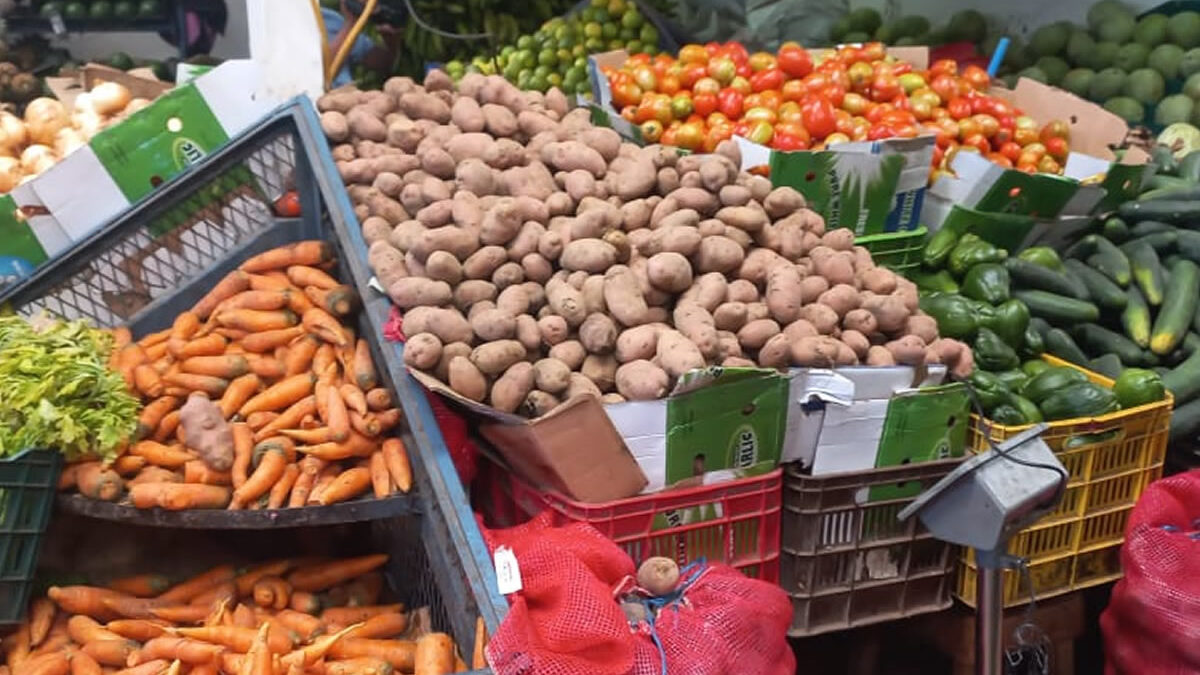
x=1110 y=261
x=1083 y=248
x=1098 y=340
x=1178 y=308
x=1100 y=289
x=1149 y=227
x=1115 y=229
x=1173 y=211
x=1027 y=275
x=1189 y=166
x=1058 y=309
x=1185 y=422
x=1183 y=190
x=1163 y=160
x=1187 y=244
x=1061 y=345
x=1040 y=325
x=1147 y=271
x=1159 y=241
x=1165 y=182
x=1136 y=317
x=1108 y=365
x=1082 y=399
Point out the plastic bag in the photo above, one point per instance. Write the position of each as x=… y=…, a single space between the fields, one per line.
x=566 y=619
x=1152 y=623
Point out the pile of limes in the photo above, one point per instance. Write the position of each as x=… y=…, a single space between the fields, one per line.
x=556 y=55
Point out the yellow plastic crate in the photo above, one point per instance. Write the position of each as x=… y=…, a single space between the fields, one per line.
x=1077 y=544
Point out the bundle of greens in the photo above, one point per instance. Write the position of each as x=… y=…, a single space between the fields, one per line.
x=57 y=392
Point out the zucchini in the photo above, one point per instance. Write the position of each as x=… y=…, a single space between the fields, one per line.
x=1149 y=227
x=1159 y=241
x=1136 y=317
x=1183 y=381
x=1083 y=248
x=1041 y=386
x=1098 y=340
x=1027 y=275
x=1058 y=309
x=1147 y=271
x=1185 y=422
x=1040 y=325
x=1178 y=308
x=1110 y=261
x=1108 y=365
x=1101 y=290
x=1173 y=211
x=1189 y=166
x=1163 y=160
x=1082 y=399
x=1187 y=244
x=1184 y=190
x=1115 y=229
x=1083 y=440
x=1162 y=181
x=1061 y=345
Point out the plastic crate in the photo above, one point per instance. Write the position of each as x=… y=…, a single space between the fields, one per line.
x=742 y=531
x=847 y=561
x=166 y=252
x=27 y=486
x=897 y=251
x=1071 y=547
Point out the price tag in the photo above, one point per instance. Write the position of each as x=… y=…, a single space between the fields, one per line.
x=508 y=573
x=57 y=25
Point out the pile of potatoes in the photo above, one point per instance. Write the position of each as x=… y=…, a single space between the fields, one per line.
x=535 y=256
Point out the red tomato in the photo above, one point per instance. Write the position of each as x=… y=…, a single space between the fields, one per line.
x=626 y=94
x=1056 y=147
x=885 y=87
x=1055 y=129
x=998 y=158
x=976 y=77
x=944 y=67
x=706 y=85
x=730 y=103
x=793 y=90
x=652 y=131
x=789 y=113
x=921 y=109
x=641 y=59
x=818 y=115
x=879 y=132
x=760 y=61
x=978 y=142
x=945 y=87
x=860 y=76
x=704 y=104
x=741 y=84
x=960 y=108
x=644 y=77
x=693 y=54
x=713 y=48
x=901 y=67
x=988 y=126
x=692 y=74
x=722 y=70
x=690 y=136
x=669 y=84
x=767 y=78
x=1048 y=164
x=1025 y=137
x=760 y=114
x=1010 y=150
x=744 y=70
x=718 y=120
x=855 y=104
x=835 y=93
x=736 y=51
x=873 y=51
x=288 y=206
x=792 y=130
x=788 y=142
x=794 y=60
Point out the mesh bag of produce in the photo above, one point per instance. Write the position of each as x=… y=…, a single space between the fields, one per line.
x=566 y=619
x=1152 y=623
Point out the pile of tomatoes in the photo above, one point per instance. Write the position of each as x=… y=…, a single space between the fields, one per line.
x=797 y=100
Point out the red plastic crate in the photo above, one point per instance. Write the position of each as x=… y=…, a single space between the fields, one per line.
x=743 y=532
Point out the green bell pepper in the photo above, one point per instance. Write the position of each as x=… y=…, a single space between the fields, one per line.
x=987 y=282
x=934 y=282
x=1008 y=415
x=1013 y=379
x=1027 y=408
x=1034 y=345
x=993 y=353
x=971 y=251
x=1009 y=320
x=1042 y=255
x=938 y=248
x=1034 y=367
x=989 y=389
x=1137 y=386
x=955 y=315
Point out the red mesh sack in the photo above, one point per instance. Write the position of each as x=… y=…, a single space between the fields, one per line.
x=1152 y=623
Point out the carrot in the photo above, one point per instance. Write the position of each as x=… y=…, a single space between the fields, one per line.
x=155 y=474
x=304 y=625
x=364 y=590
x=246 y=580
x=243 y=617
x=147 y=341
x=270 y=469
x=271 y=593
x=364 y=367
x=388 y=419
x=302 y=276
x=156 y=352
x=256 y=321
x=219 y=595
x=85 y=600
x=226 y=366
x=337 y=417
x=265 y=341
x=55 y=663
x=435 y=655
x=16 y=647
x=238 y=638
x=379 y=399
x=41 y=617
x=180 y=496
x=319 y=576
x=238 y=392
x=166 y=427
x=265 y=300
x=166 y=456
x=328 y=474
x=367 y=425
x=261 y=419
x=396 y=457
x=356 y=445
x=147 y=381
x=311 y=252
x=288 y=419
x=121 y=336
x=270 y=281
x=185 y=591
x=132 y=608
x=111 y=652
x=213 y=386
x=184 y=649
x=355 y=400
x=196 y=471
x=280 y=395
x=128 y=465
x=153 y=413
x=323 y=359
x=83 y=664
x=305 y=602
x=381 y=481
x=126 y=360
x=280 y=491
x=363 y=665
x=141 y=585
x=137 y=629
x=401 y=654
x=298 y=302
x=206 y=669
x=300 y=354
x=233 y=283
x=96 y=482
x=338 y=301
x=381 y=626
x=348 y=485
x=55 y=641
x=156 y=667
x=258 y=659
x=243 y=448
x=66 y=477
x=478 y=657
x=268 y=368
x=181 y=613
x=209 y=345
x=309 y=436
x=322 y=324
x=302 y=488
x=315 y=650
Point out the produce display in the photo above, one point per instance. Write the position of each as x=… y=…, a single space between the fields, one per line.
x=100 y=10
x=865 y=24
x=258 y=397
x=556 y=54
x=283 y=616
x=794 y=100
x=536 y=257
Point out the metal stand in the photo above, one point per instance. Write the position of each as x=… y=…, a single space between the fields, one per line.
x=989 y=611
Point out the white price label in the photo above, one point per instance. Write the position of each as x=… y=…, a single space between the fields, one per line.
x=508 y=573
x=57 y=25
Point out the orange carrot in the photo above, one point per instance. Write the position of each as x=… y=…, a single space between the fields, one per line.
x=178 y=614
x=16 y=647
x=309 y=436
x=388 y=419
x=364 y=367
x=166 y=427
x=363 y=665
x=323 y=359
x=185 y=591
x=166 y=456
x=85 y=600
x=184 y=649
x=237 y=638
x=270 y=469
x=379 y=399
x=298 y=302
x=141 y=585
x=238 y=392
x=196 y=471
x=222 y=594
x=128 y=465
x=206 y=668
x=234 y=335
x=311 y=252
x=66 y=477
x=401 y=654
x=304 y=625
x=319 y=576
x=348 y=485
x=381 y=626
x=261 y=419
x=258 y=659
x=243 y=448
x=272 y=593
x=355 y=400
x=300 y=354
x=83 y=664
x=146 y=342
x=209 y=345
x=132 y=608
x=147 y=381
x=235 y=282
x=156 y=352
x=55 y=641
x=315 y=650
x=256 y=321
x=305 y=602
x=260 y=300
x=41 y=617
x=338 y=301
x=155 y=474
x=156 y=667
x=266 y=367
x=179 y=496
x=111 y=652
x=396 y=457
x=55 y=663
x=478 y=657
x=434 y=655
x=365 y=589
x=290 y=418
x=322 y=324
x=381 y=481
x=138 y=629
x=265 y=341
x=226 y=366
x=153 y=413
x=304 y=483
x=337 y=417
x=367 y=425
x=280 y=491
x=280 y=395
x=243 y=617
x=270 y=281
x=121 y=336
x=356 y=445
x=302 y=276
x=213 y=386
x=96 y=482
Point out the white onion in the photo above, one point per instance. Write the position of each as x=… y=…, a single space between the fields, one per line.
x=10 y=174
x=43 y=118
x=12 y=133
x=110 y=98
x=37 y=158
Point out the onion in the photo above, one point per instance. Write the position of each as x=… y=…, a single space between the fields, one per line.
x=136 y=105
x=12 y=133
x=88 y=123
x=110 y=98
x=67 y=140
x=37 y=158
x=43 y=118
x=10 y=174
x=84 y=103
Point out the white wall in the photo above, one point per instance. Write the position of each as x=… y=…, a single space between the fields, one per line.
x=233 y=44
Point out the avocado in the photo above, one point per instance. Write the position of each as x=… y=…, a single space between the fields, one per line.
x=1054 y=68
x=1151 y=30
x=1184 y=29
x=1145 y=85
x=1191 y=86
x=840 y=28
x=1107 y=83
x=967 y=26
x=1101 y=11
x=1106 y=53
x=864 y=19
x=1172 y=109
x=1080 y=48
x=911 y=26
x=856 y=36
x=1190 y=63
x=100 y=10
x=1049 y=40
x=1035 y=73
x=1078 y=81
x=1131 y=56
x=1117 y=28
x=1126 y=108
x=886 y=33
x=1165 y=59
x=75 y=10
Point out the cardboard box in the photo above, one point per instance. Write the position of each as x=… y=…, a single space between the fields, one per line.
x=140 y=82
x=859 y=418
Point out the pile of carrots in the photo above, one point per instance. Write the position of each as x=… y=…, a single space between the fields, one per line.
x=270 y=345
x=285 y=617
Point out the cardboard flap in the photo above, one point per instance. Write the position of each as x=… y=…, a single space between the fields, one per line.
x=140 y=82
x=1094 y=130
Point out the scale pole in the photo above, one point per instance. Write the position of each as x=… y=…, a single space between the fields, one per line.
x=989 y=612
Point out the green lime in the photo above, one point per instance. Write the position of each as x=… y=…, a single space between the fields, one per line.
x=593 y=30
x=632 y=19
x=634 y=47
x=563 y=55
x=578 y=51
x=542 y=70
x=524 y=78
x=576 y=73
x=525 y=42
x=537 y=82
x=593 y=45
x=547 y=58
x=554 y=79
x=512 y=71
x=507 y=50
x=528 y=59
x=583 y=88
x=581 y=63
x=648 y=34
x=616 y=44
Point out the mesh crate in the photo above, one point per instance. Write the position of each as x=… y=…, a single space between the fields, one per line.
x=1109 y=461
x=897 y=251
x=848 y=561
x=166 y=252
x=27 y=486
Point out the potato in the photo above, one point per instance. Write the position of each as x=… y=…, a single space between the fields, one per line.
x=422 y=351
x=669 y=271
x=601 y=369
x=891 y=314
x=734 y=195
x=708 y=291
x=572 y=155
x=800 y=328
x=424 y=106
x=465 y=379
x=494 y=324
x=566 y=301
x=812 y=288
x=680 y=218
x=533 y=123
x=641 y=380
x=878 y=355
x=908 y=350
x=448 y=325
x=755 y=334
x=822 y=317
x=639 y=342
x=473 y=291
x=718 y=254
x=579 y=184
x=554 y=329
x=499 y=121
x=528 y=334
x=469 y=146
x=741 y=290
x=473 y=176
x=840 y=239
x=335 y=126
x=481 y=306
x=593 y=294
x=836 y=268
x=457 y=241
x=776 y=352
x=623 y=296
x=410 y=292
x=511 y=388
x=365 y=124
x=727 y=345
x=667 y=180
x=533 y=180
x=860 y=320
x=387 y=262
x=677 y=354
x=635 y=214
x=757 y=265
x=443 y=266
x=467 y=115
x=495 y=357
x=782 y=202
x=730 y=316
x=514 y=300
x=816 y=352
x=551 y=375
x=598 y=334
x=570 y=352
x=483 y=263
x=581 y=385
x=539 y=403
x=594 y=256
x=604 y=140
x=508 y=274
x=746 y=218
x=841 y=299
x=636 y=180
x=857 y=342
x=784 y=297
x=500 y=224
x=923 y=326
x=698 y=199
x=879 y=280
